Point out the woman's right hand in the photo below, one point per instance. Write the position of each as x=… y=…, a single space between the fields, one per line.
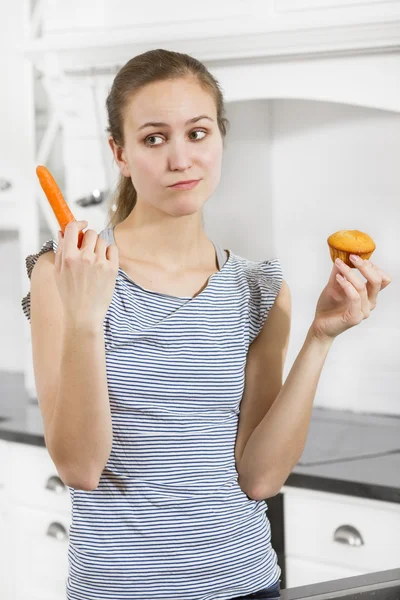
x=85 y=276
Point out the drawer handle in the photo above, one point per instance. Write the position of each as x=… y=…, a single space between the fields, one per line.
x=5 y=184
x=57 y=531
x=347 y=534
x=55 y=484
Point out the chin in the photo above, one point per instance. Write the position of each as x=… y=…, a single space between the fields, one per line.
x=185 y=208
x=184 y=213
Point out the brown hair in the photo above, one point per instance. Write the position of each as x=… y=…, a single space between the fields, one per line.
x=149 y=67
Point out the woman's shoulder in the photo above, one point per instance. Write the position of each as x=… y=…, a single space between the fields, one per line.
x=256 y=269
x=30 y=262
x=262 y=280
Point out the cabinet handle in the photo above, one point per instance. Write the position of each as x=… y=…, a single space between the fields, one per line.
x=347 y=534
x=57 y=531
x=55 y=484
x=4 y=184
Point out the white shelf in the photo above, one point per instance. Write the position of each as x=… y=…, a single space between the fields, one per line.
x=86 y=50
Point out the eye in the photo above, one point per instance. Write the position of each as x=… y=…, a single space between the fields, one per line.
x=201 y=131
x=159 y=136
x=151 y=137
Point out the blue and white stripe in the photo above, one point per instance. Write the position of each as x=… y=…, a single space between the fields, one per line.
x=168 y=519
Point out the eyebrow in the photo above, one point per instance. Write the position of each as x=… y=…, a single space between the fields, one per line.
x=160 y=124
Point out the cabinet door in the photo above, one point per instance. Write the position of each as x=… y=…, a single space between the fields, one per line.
x=91 y=16
x=34 y=480
x=5 y=579
x=305 y=572
x=39 y=549
x=334 y=529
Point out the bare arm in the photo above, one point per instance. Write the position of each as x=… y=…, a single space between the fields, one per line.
x=276 y=444
x=80 y=429
x=70 y=376
x=274 y=418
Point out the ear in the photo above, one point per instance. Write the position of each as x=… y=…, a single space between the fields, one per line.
x=119 y=157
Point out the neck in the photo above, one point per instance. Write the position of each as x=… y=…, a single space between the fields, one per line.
x=173 y=243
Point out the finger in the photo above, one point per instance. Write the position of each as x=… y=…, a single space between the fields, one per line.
x=349 y=289
x=377 y=279
x=386 y=279
x=89 y=241
x=335 y=271
x=112 y=254
x=101 y=247
x=59 y=249
x=71 y=231
x=359 y=285
x=354 y=297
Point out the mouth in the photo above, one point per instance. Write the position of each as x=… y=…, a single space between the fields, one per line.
x=187 y=185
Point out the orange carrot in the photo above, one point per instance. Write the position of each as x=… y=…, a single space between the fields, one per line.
x=56 y=200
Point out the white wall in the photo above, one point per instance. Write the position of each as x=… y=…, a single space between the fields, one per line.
x=239 y=216
x=294 y=172
x=336 y=167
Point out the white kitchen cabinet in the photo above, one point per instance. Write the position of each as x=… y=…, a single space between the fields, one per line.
x=34 y=480
x=39 y=552
x=4 y=534
x=333 y=536
x=5 y=563
x=92 y=15
x=286 y=23
x=305 y=572
x=35 y=518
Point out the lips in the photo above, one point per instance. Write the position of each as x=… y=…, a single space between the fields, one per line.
x=184 y=181
x=186 y=185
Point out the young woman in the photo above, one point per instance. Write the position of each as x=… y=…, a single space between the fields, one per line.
x=158 y=360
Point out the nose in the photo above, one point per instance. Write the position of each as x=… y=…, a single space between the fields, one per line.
x=180 y=155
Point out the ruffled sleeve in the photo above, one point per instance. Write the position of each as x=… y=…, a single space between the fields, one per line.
x=265 y=283
x=30 y=262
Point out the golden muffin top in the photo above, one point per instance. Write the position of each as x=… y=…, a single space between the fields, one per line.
x=351 y=241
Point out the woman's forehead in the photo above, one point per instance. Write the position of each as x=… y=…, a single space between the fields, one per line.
x=162 y=104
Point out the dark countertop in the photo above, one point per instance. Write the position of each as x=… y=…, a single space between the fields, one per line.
x=382 y=585
x=346 y=453
x=355 y=454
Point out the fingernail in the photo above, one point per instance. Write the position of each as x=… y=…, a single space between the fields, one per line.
x=354 y=258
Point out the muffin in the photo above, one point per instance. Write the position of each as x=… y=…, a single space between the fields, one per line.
x=345 y=242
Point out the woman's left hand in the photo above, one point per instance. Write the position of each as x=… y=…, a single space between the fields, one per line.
x=345 y=303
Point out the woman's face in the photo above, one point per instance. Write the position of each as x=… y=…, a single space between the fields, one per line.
x=157 y=156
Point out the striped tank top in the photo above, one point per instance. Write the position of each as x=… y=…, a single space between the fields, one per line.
x=168 y=519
